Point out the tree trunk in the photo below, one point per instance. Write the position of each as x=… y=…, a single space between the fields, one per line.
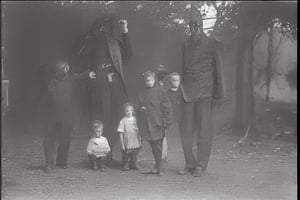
x=239 y=81
x=269 y=65
x=251 y=99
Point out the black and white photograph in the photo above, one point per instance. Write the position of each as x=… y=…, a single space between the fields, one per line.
x=149 y=100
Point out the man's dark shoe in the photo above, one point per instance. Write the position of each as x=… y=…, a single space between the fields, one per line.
x=48 y=169
x=61 y=166
x=153 y=171
x=198 y=172
x=102 y=168
x=160 y=173
x=186 y=171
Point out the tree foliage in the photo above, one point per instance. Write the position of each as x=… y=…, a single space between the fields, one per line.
x=257 y=16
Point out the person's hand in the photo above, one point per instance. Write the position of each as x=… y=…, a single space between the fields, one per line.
x=92 y=75
x=218 y=101
x=123 y=26
x=166 y=125
x=123 y=147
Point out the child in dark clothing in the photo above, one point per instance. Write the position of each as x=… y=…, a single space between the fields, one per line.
x=164 y=81
x=155 y=116
x=175 y=96
x=58 y=114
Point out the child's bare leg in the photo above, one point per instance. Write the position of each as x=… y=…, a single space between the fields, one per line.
x=125 y=159
x=133 y=159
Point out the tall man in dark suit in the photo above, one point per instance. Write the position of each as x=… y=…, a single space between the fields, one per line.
x=202 y=84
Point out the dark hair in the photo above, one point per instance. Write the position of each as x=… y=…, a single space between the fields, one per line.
x=149 y=73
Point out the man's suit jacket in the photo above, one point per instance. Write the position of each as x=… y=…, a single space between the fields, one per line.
x=202 y=74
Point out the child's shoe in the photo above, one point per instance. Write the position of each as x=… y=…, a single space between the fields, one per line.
x=134 y=166
x=102 y=168
x=61 y=166
x=125 y=167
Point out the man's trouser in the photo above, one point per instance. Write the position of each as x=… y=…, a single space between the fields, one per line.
x=130 y=155
x=57 y=131
x=197 y=115
x=156 y=146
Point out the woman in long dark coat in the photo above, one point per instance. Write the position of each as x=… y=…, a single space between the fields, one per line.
x=106 y=55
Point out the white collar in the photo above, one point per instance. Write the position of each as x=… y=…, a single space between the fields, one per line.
x=174 y=89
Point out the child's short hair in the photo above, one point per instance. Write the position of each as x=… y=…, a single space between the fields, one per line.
x=174 y=74
x=97 y=123
x=127 y=104
x=149 y=73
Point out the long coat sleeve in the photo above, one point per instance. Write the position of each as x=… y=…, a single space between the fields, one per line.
x=219 y=92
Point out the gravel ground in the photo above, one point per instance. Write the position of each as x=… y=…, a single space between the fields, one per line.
x=264 y=170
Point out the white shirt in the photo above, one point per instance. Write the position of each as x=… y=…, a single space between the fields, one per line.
x=99 y=147
x=128 y=127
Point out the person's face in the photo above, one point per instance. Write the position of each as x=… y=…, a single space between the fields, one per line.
x=175 y=81
x=149 y=81
x=129 y=111
x=104 y=28
x=66 y=68
x=98 y=131
x=196 y=28
x=161 y=74
x=63 y=69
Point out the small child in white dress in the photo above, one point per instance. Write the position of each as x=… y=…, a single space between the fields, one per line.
x=130 y=138
x=98 y=147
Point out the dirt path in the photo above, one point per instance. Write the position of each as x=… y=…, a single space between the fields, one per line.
x=265 y=171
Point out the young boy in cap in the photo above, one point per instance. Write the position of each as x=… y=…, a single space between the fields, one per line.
x=58 y=114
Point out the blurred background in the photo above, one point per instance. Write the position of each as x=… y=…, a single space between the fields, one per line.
x=258 y=39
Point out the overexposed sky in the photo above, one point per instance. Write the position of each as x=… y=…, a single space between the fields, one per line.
x=209 y=22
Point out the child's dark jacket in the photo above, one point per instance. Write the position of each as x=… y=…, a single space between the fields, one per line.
x=154 y=112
